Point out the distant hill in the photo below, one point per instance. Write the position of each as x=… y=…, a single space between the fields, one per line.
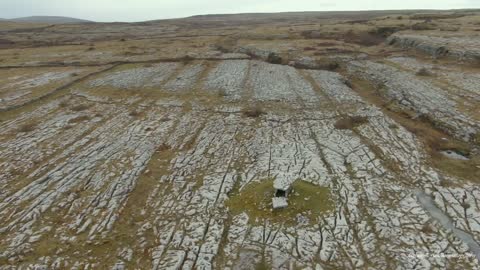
x=48 y=19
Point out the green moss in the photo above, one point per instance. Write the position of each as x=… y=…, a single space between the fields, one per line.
x=306 y=198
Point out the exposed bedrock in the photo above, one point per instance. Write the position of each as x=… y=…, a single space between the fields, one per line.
x=418 y=95
x=127 y=181
x=458 y=47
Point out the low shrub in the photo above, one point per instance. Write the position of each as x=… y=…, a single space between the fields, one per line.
x=80 y=107
x=274 y=58
x=364 y=38
x=424 y=72
x=163 y=147
x=350 y=122
x=424 y=26
x=134 y=113
x=253 y=112
x=63 y=104
x=79 y=119
x=29 y=127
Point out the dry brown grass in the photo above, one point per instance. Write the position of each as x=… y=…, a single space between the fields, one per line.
x=63 y=104
x=427 y=131
x=226 y=45
x=476 y=138
x=135 y=113
x=350 y=122
x=423 y=26
x=326 y=44
x=363 y=38
x=79 y=107
x=253 y=111
x=164 y=147
x=256 y=200
x=79 y=119
x=427 y=229
x=28 y=127
x=424 y=72
x=330 y=64
x=222 y=93
x=274 y=58
x=187 y=59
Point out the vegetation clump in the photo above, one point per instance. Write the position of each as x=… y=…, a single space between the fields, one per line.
x=79 y=108
x=364 y=38
x=350 y=122
x=163 y=147
x=424 y=72
x=274 y=58
x=476 y=138
x=253 y=112
x=79 y=119
x=135 y=113
x=423 y=26
x=29 y=127
x=306 y=199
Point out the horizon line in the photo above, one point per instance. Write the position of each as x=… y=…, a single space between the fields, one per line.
x=241 y=13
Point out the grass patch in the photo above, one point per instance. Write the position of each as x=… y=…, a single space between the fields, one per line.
x=476 y=138
x=263 y=265
x=135 y=113
x=79 y=119
x=226 y=45
x=423 y=26
x=274 y=58
x=360 y=37
x=254 y=111
x=255 y=199
x=433 y=138
x=350 y=122
x=63 y=104
x=424 y=72
x=80 y=107
x=29 y=127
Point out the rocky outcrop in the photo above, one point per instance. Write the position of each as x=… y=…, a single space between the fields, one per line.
x=420 y=96
x=134 y=181
x=458 y=47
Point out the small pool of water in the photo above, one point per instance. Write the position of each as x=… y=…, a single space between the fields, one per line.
x=454 y=155
x=429 y=206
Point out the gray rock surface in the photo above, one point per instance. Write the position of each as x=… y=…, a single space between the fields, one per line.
x=151 y=189
x=418 y=95
x=459 y=47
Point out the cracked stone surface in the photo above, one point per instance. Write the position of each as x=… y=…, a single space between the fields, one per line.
x=464 y=81
x=137 y=77
x=19 y=86
x=456 y=46
x=142 y=182
x=420 y=96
